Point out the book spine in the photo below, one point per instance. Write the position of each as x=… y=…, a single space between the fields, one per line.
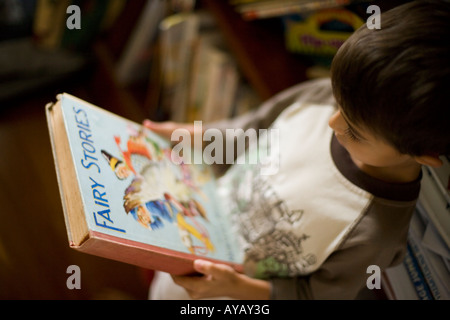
x=132 y=64
x=276 y=11
x=401 y=285
x=441 y=176
x=436 y=205
x=49 y=22
x=416 y=275
x=177 y=39
x=425 y=268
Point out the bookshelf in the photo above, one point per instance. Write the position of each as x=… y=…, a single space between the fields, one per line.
x=260 y=50
x=257 y=46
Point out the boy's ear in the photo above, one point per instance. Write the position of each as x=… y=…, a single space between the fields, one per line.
x=429 y=160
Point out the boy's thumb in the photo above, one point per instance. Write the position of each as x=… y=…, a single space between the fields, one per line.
x=202 y=266
x=211 y=269
x=164 y=128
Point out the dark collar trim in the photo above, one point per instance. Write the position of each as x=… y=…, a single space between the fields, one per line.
x=391 y=191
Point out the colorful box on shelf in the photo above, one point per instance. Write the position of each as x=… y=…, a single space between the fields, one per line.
x=320 y=33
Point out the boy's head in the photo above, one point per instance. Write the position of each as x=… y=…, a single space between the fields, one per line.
x=394 y=82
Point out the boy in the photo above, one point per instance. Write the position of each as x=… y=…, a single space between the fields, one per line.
x=344 y=194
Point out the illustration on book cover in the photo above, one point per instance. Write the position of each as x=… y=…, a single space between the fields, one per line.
x=160 y=191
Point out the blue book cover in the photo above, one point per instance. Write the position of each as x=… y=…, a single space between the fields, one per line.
x=131 y=195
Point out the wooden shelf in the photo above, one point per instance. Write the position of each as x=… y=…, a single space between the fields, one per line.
x=259 y=49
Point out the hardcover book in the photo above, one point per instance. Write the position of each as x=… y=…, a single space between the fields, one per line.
x=126 y=198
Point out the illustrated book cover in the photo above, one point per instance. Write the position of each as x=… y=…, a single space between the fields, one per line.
x=126 y=198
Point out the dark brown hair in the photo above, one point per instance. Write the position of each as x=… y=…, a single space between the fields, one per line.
x=395 y=81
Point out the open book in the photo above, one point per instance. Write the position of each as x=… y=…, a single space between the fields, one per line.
x=125 y=198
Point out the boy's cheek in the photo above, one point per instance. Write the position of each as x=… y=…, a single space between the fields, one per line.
x=340 y=138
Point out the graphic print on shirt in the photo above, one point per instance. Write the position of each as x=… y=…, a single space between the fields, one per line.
x=271 y=240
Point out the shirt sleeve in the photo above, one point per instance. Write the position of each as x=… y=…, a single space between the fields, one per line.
x=341 y=276
x=379 y=239
x=314 y=91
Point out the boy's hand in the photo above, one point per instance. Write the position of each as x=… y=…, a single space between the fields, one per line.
x=166 y=128
x=219 y=280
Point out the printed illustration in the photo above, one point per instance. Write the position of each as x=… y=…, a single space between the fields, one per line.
x=161 y=192
x=272 y=241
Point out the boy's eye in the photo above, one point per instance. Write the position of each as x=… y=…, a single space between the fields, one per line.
x=349 y=133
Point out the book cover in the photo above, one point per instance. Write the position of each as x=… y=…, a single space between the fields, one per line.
x=416 y=275
x=436 y=204
x=397 y=283
x=126 y=196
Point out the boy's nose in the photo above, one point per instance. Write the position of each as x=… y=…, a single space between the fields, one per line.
x=337 y=123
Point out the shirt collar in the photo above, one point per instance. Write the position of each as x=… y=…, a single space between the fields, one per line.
x=392 y=191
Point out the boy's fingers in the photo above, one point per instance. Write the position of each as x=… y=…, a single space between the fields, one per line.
x=211 y=269
x=147 y=123
x=166 y=128
x=202 y=266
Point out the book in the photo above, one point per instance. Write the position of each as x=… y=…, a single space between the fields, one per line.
x=406 y=280
x=177 y=35
x=436 y=204
x=49 y=22
x=416 y=275
x=397 y=284
x=214 y=80
x=134 y=63
x=425 y=272
x=270 y=9
x=431 y=264
x=126 y=196
x=441 y=176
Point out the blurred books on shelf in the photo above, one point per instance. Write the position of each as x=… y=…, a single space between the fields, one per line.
x=425 y=272
x=214 y=80
x=176 y=42
x=155 y=53
x=134 y=63
x=262 y=9
x=198 y=76
x=50 y=18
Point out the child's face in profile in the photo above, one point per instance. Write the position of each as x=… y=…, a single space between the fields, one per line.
x=364 y=147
